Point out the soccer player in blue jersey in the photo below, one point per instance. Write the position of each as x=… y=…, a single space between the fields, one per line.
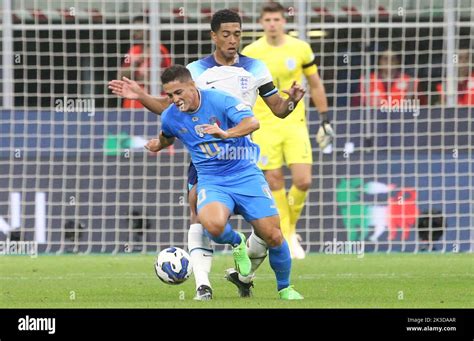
x=245 y=78
x=210 y=123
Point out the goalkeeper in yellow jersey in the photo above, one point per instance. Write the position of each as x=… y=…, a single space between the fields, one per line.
x=286 y=141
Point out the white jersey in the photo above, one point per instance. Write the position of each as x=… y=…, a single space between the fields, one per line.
x=245 y=80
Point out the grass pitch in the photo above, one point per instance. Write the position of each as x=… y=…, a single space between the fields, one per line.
x=326 y=281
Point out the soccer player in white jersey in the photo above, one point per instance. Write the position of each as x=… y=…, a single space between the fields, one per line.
x=245 y=78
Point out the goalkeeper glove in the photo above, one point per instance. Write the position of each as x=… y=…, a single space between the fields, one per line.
x=325 y=135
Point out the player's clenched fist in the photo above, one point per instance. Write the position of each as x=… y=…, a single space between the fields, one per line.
x=153 y=145
x=214 y=130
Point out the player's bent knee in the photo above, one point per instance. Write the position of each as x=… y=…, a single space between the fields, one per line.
x=213 y=227
x=275 y=184
x=275 y=180
x=274 y=238
x=303 y=184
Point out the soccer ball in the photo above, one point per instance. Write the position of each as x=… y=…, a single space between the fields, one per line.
x=173 y=266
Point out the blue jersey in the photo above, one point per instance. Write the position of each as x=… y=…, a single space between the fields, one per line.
x=246 y=79
x=213 y=156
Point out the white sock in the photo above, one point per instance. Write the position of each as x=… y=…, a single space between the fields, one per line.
x=200 y=250
x=257 y=251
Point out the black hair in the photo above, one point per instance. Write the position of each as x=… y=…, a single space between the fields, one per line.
x=176 y=72
x=224 y=16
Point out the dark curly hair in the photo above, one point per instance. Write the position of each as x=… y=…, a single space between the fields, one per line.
x=224 y=16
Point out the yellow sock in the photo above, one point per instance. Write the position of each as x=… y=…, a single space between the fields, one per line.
x=296 y=199
x=283 y=210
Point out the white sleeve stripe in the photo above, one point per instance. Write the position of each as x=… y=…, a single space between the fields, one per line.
x=268 y=94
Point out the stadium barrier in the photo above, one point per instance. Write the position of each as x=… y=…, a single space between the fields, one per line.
x=104 y=193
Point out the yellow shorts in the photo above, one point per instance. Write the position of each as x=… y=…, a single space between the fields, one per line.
x=283 y=146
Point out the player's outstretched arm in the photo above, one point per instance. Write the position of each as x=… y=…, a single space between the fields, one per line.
x=283 y=107
x=155 y=145
x=247 y=126
x=127 y=88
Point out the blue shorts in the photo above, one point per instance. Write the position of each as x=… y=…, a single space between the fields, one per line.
x=249 y=196
x=192 y=176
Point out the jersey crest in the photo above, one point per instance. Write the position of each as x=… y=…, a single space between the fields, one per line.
x=244 y=82
x=291 y=64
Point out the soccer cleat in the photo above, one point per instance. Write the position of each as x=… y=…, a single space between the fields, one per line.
x=296 y=251
x=203 y=293
x=290 y=293
x=241 y=258
x=244 y=288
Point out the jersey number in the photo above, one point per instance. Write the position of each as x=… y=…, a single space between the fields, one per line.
x=208 y=150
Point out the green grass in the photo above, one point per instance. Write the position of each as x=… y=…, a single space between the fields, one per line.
x=326 y=281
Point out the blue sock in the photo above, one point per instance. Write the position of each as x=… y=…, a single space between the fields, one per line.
x=229 y=236
x=280 y=261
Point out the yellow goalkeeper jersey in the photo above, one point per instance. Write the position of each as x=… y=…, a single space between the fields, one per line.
x=287 y=63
